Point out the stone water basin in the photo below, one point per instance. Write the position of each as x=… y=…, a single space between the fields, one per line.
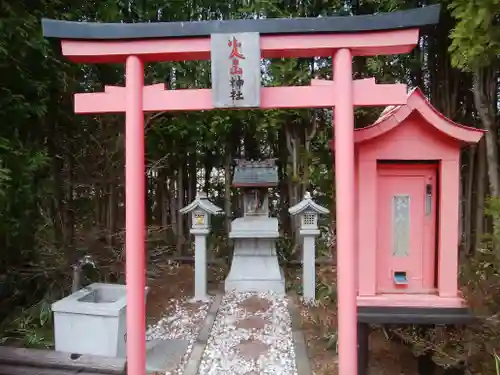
x=104 y=293
x=92 y=321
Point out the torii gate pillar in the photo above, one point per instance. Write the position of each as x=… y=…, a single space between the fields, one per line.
x=343 y=124
x=135 y=251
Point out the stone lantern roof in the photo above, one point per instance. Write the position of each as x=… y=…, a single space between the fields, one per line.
x=307 y=204
x=201 y=201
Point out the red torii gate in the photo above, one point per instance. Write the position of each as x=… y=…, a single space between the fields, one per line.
x=340 y=37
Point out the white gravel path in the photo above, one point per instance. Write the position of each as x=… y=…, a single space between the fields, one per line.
x=183 y=320
x=266 y=350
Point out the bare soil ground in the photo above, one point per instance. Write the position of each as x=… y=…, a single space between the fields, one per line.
x=319 y=324
x=386 y=357
x=172 y=283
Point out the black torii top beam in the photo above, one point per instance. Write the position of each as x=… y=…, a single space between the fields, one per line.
x=406 y=19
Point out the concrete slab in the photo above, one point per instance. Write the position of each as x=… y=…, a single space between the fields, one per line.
x=301 y=356
x=164 y=355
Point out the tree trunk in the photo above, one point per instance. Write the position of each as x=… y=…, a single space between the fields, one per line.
x=192 y=179
x=480 y=184
x=467 y=200
x=158 y=197
x=283 y=184
x=112 y=205
x=99 y=205
x=173 y=191
x=227 y=193
x=180 y=204
x=293 y=181
x=69 y=209
x=165 y=204
x=58 y=198
x=483 y=89
x=309 y=135
x=208 y=167
x=148 y=198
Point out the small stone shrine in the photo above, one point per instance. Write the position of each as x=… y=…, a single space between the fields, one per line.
x=255 y=264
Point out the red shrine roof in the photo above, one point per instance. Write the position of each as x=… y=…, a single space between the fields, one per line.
x=393 y=116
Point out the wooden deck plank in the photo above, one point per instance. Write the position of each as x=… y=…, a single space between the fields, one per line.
x=48 y=359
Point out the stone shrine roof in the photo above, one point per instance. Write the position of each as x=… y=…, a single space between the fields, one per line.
x=249 y=173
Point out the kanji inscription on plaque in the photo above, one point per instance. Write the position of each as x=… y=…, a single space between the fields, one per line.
x=236 y=74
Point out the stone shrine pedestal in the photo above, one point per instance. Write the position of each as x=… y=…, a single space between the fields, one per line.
x=255 y=266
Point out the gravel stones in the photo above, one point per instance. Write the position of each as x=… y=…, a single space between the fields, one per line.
x=252 y=334
x=253 y=322
x=184 y=321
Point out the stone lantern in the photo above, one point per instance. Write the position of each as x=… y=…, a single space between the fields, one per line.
x=201 y=209
x=308 y=211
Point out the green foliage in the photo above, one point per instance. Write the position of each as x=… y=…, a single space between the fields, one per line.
x=326 y=292
x=332 y=338
x=31 y=327
x=476 y=37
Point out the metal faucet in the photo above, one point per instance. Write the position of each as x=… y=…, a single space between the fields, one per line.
x=77 y=271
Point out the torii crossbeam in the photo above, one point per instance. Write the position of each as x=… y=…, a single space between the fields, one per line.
x=157 y=98
x=340 y=37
